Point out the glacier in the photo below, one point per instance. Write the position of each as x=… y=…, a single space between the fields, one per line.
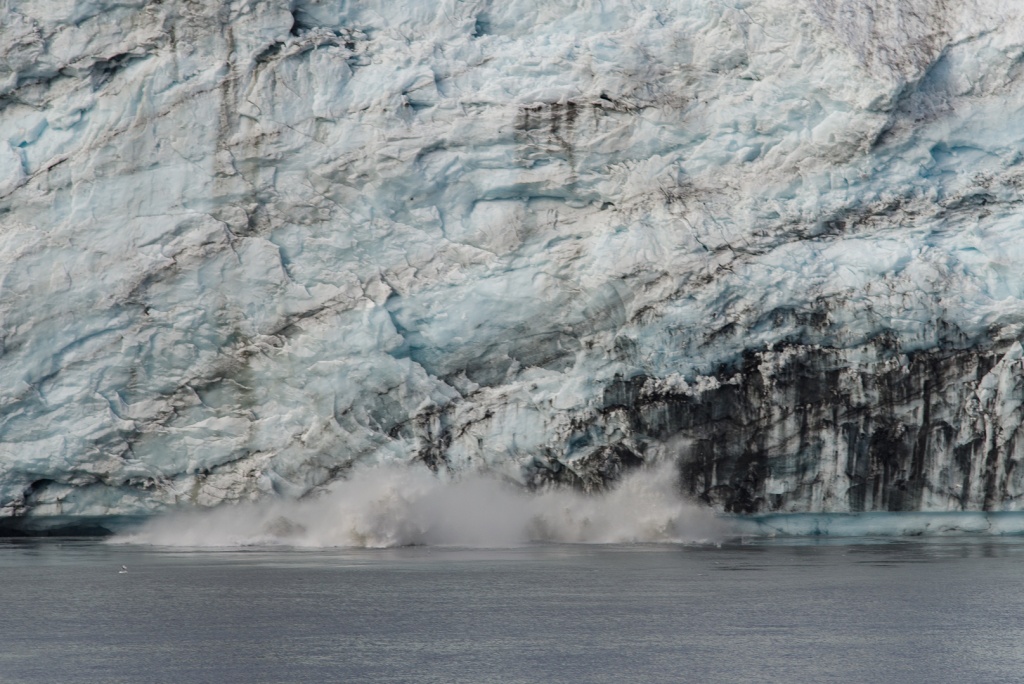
x=247 y=247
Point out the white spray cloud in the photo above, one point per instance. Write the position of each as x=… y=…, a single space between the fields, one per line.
x=401 y=506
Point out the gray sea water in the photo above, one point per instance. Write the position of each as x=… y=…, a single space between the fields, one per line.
x=860 y=610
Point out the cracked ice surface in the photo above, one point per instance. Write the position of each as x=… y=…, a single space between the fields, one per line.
x=246 y=245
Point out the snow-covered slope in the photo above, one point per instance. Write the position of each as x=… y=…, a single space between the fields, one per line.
x=246 y=245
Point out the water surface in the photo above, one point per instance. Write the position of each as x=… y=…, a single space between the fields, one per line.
x=855 y=610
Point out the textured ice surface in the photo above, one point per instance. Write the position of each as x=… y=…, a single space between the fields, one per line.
x=879 y=524
x=247 y=245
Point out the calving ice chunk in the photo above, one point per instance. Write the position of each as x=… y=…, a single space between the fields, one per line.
x=246 y=247
x=392 y=505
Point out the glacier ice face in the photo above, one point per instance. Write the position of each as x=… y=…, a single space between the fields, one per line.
x=245 y=246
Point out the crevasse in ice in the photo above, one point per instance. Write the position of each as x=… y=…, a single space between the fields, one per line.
x=247 y=245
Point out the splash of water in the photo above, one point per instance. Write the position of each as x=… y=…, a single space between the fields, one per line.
x=402 y=506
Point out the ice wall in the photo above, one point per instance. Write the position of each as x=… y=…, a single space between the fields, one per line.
x=247 y=245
